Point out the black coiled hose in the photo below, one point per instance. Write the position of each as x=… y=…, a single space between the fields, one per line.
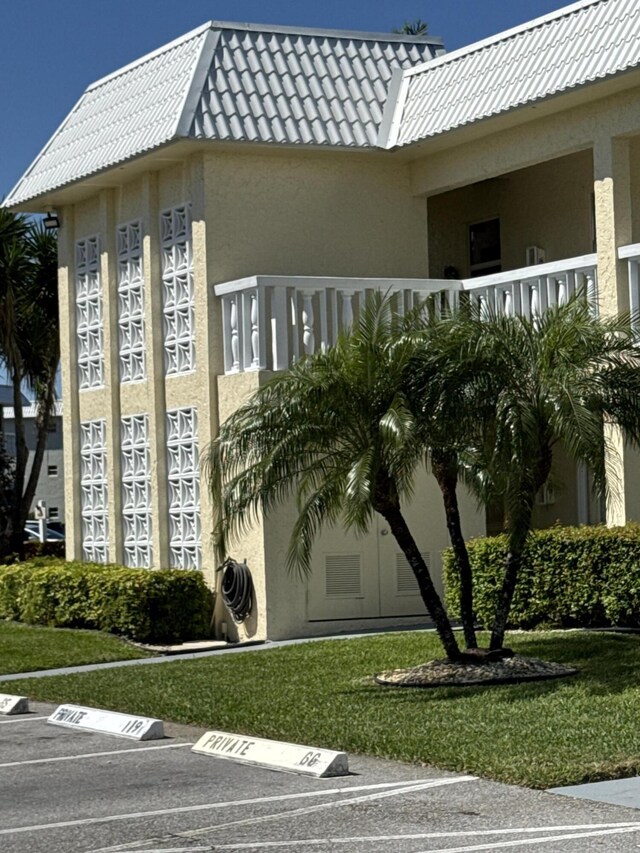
x=237 y=589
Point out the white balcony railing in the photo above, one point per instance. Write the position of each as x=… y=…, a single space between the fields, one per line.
x=631 y=254
x=270 y=321
x=531 y=290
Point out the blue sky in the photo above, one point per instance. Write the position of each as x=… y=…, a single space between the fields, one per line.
x=50 y=50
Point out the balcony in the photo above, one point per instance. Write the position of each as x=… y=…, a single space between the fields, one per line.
x=270 y=321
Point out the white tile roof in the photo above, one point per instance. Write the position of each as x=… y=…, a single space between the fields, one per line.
x=229 y=82
x=582 y=43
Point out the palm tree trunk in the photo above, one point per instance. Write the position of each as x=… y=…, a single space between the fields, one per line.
x=42 y=422
x=509 y=581
x=519 y=527
x=17 y=519
x=445 y=469
x=429 y=594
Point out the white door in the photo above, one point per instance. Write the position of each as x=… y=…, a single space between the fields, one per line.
x=344 y=580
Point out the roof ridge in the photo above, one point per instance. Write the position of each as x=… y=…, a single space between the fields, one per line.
x=364 y=35
x=468 y=49
x=266 y=28
x=149 y=56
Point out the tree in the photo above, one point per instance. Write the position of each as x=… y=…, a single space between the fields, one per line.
x=546 y=382
x=338 y=429
x=413 y=28
x=29 y=349
x=450 y=403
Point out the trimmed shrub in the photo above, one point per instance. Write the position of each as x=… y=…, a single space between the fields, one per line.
x=570 y=577
x=163 y=606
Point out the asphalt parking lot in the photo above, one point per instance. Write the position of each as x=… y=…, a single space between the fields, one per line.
x=67 y=791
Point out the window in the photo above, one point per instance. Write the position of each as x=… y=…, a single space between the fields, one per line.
x=93 y=490
x=184 y=489
x=136 y=491
x=484 y=248
x=177 y=282
x=130 y=302
x=89 y=314
x=52 y=470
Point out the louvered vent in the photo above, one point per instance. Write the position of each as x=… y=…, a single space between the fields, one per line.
x=343 y=576
x=406 y=583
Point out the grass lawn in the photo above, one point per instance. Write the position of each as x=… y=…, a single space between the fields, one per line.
x=586 y=727
x=24 y=648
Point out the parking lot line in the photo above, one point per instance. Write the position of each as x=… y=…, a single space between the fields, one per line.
x=529 y=842
x=94 y=754
x=420 y=836
x=324 y=792
x=409 y=788
x=26 y=719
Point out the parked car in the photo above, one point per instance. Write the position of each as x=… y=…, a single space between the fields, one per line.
x=32 y=533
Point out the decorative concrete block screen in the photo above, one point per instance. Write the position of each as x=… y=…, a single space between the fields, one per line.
x=177 y=279
x=184 y=489
x=130 y=302
x=89 y=314
x=136 y=491
x=93 y=490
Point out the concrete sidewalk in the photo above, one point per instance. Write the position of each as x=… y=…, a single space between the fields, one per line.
x=172 y=653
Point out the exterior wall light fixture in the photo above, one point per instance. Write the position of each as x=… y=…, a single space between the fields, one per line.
x=51 y=222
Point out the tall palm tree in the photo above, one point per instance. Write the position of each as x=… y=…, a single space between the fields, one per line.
x=339 y=431
x=547 y=382
x=413 y=28
x=29 y=348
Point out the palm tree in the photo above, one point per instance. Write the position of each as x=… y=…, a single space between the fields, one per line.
x=29 y=348
x=547 y=382
x=413 y=28
x=339 y=430
x=450 y=404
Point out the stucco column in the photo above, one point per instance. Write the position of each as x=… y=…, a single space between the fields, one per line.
x=69 y=371
x=612 y=192
x=207 y=335
x=154 y=339
x=108 y=277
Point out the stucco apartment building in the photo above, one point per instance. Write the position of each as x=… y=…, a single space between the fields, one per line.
x=50 y=488
x=227 y=202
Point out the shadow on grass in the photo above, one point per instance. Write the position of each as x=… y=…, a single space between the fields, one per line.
x=607 y=664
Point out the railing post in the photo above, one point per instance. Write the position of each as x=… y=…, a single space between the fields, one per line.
x=279 y=329
x=634 y=292
x=347 y=311
x=592 y=291
x=308 y=320
x=234 y=335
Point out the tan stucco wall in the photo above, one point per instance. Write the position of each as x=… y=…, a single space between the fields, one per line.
x=324 y=215
x=548 y=205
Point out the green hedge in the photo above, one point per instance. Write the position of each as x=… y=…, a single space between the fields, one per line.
x=163 y=606
x=571 y=577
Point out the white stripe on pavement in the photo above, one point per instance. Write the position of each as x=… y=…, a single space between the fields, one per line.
x=223 y=804
x=94 y=754
x=528 y=842
x=410 y=789
x=26 y=719
x=421 y=836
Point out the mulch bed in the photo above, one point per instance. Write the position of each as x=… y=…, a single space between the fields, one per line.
x=443 y=673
